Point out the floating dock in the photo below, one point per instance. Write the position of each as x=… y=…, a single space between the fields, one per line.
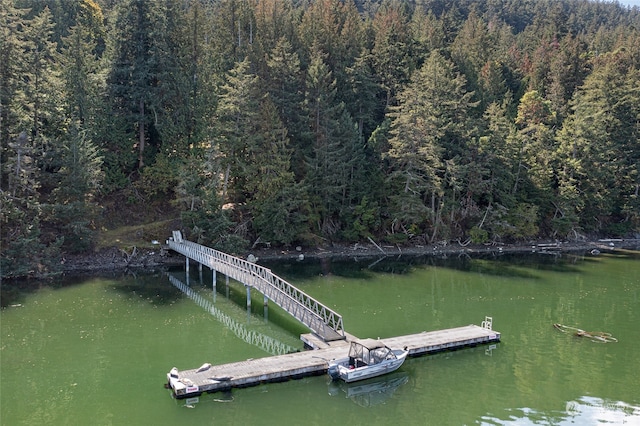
x=328 y=339
x=215 y=378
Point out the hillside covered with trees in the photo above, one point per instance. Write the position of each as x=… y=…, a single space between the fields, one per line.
x=306 y=122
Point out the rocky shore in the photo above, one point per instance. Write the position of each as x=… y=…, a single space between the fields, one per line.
x=114 y=259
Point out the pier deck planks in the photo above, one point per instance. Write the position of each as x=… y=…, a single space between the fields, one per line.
x=315 y=362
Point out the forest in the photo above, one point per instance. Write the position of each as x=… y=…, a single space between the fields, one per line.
x=293 y=122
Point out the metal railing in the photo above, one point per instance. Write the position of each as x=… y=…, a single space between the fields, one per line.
x=487 y=323
x=319 y=318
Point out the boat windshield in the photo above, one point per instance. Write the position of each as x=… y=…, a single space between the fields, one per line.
x=370 y=352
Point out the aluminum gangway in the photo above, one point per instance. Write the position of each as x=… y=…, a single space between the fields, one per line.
x=320 y=319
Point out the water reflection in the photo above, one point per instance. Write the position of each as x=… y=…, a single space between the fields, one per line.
x=264 y=342
x=586 y=410
x=495 y=264
x=220 y=397
x=370 y=392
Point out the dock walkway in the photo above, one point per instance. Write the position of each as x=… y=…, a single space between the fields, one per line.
x=280 y=368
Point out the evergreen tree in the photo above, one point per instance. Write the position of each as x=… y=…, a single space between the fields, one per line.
x=568 y=69
x=392 y=51
x=598 y=148
x=428 y=33
x=12 y=69
x=334 y=134
x=79 y=179
x=285 y=83
x=471 y=48
x=232 y=33
x=186 y=96
x=236 y=121
x=43 y=89
x=499 y=151
x=278 y=204
x=81 y=74
x=275 y=22
x=428 y=139
x=134 y=78
x=535 y=161
x=198 y=194
x=30 y=103
x=363 y=95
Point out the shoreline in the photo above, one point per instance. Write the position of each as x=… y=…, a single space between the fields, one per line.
x=115 y=260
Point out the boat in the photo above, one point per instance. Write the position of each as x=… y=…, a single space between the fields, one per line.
x=367 y=358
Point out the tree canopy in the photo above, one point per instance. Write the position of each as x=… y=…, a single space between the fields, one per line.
x=293 y=122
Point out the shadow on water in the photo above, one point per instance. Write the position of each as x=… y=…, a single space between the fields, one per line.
x=151 y=288
x=145 y=284
x=152 y=285
x=497 y=264
x=14 y=292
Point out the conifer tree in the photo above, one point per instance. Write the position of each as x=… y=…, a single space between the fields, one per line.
x=134 y=77
x=428 y=139
x=278 y=204
x=285 y=83
x=12 y=69
x=43 y=88
x=363 y=95
x=392 y=51
x=81 y=74
x=334 y=134
x=599 y=151
x=78 y=181
x=535 y=162
x=31 y=104
x=236 y=121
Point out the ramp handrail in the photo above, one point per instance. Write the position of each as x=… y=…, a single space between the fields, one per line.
x=319 y=318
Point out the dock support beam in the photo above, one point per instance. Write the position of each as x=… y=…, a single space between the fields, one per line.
x=248 y=296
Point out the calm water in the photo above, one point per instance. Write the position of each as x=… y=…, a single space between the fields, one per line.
x=96 y=350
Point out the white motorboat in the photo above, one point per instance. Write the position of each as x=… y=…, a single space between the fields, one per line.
x=367 y=358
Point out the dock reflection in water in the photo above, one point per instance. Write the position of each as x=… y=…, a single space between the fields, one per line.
x=372 y=391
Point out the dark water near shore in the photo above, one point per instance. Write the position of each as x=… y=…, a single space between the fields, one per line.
x=96 y=350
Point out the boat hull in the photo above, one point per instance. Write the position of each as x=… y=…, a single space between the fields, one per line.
x=340 y=369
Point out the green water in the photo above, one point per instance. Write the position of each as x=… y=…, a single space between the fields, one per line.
x=95 y=351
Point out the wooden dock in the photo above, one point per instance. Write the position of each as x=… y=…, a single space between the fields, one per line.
x=251 y=372
x=328 y=339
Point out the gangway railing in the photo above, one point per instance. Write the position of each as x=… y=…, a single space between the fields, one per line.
x=322 y=320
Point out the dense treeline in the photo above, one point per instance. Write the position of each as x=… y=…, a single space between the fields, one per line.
x=302 y=122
